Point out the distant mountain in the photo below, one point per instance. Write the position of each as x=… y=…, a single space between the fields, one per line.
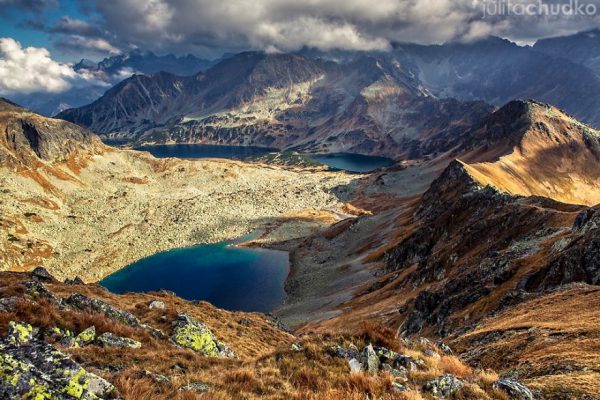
x=146 y=62
x=497 y=71
x=368 y=105
x=409 y=102
x=108 y=72
x=582 y=48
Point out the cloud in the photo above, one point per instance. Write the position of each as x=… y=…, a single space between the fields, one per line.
x=32 y=69
x=73 y=26
x=76 y=44
x=205 y=26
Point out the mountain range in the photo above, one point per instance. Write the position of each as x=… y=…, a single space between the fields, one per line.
x=400 y=104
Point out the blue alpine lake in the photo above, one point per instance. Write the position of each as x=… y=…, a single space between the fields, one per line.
x=352 y=162
x=233 y=278
x=343 y=161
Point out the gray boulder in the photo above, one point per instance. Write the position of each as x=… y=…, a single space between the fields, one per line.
x=157 y=305
x=109 y=339
x=41 y=274
x=371 y=359
x=514 y=389
x=85 y=303
x=198 y=387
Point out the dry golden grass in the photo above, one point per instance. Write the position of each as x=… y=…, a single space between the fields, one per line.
x=267 y=368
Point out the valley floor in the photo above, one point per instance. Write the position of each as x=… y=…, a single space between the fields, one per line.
x=97 y=213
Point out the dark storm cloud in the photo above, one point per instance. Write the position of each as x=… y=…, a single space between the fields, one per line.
x=73 y=26
x=279 y=25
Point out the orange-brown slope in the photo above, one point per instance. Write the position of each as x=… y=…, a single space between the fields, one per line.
x=540 y=152
x=477 y=245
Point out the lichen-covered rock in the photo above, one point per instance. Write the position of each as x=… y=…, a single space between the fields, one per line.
x=399 y=372
x=85 y=303
x=343 y=352
x=36 y=370
x=194 y=335
x=41 y=274
x=9 y=304
x=403 y=361
x=37 y=290
x=385 y=355
x=445 y=348
x=444 y=386
x=372 y=362
x=86 y=337
x=398 y=388
x=514 y=389
x=277 y=323
x=297 y=347
x=19 y=333
x=109 y=339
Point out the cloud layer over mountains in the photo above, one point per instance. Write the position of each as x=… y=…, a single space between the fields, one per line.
x=210 y=27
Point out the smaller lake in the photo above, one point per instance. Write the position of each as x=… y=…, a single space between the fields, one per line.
x=192 y=151
x=352 y=162
x=343 y=161
x=233 y=278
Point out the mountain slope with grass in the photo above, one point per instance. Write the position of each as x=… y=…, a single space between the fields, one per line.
x=470 y=258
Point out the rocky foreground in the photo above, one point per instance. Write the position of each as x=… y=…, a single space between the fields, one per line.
x=76 y=341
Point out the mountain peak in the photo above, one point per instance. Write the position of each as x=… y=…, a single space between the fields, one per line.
x=530 y=148
x=29 y=138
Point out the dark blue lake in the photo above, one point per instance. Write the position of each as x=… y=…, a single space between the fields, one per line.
x=352 y=162
x=343 y=161
x=233 y=278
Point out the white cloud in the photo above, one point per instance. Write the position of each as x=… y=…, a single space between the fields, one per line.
x=32 y=69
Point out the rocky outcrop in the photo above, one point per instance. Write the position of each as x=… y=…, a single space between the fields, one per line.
x=194 y=335
x=30 y=368
x=84 y=303
x=26 y=137
x=514 y=389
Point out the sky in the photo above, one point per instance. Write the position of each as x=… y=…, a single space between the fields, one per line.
x=47 y=35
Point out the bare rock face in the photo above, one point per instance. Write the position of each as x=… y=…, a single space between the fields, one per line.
x=26 y=136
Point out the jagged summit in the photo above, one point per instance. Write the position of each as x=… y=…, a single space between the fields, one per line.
x=28 y=138
x=533 y=149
